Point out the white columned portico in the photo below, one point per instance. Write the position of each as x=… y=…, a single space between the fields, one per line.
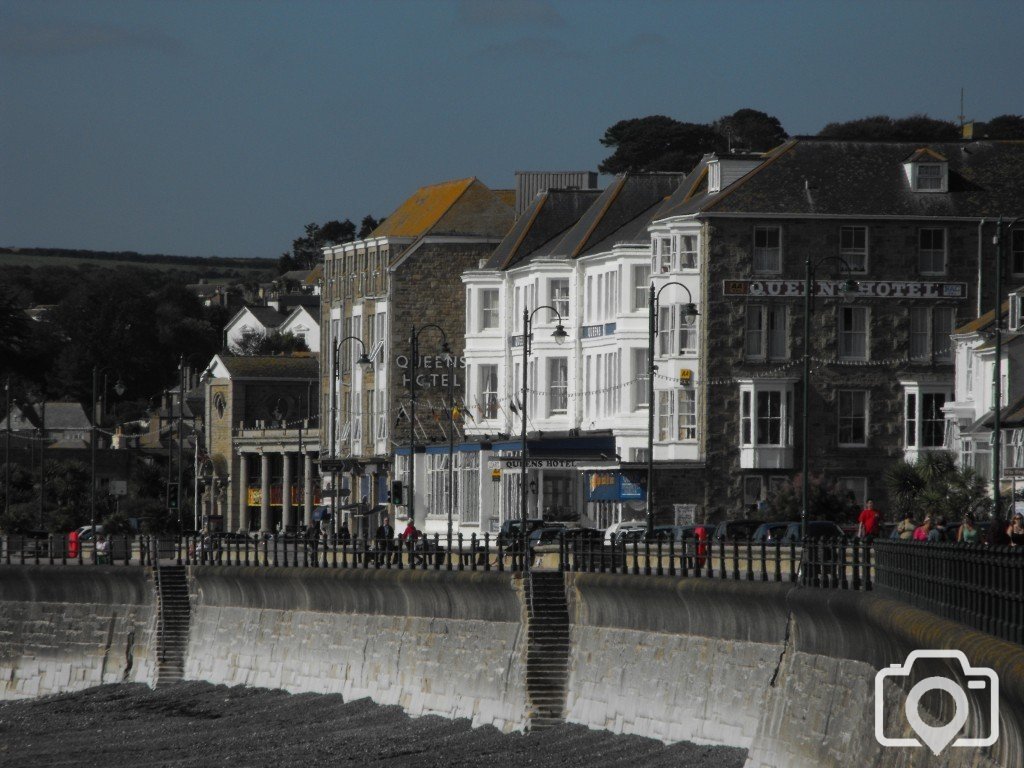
x=307 y=488
x=286 y=489
x=243 y=492
x=265 y=521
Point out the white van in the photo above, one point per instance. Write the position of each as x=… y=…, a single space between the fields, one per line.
x=615 y=529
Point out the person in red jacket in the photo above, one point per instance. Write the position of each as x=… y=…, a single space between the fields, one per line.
x=73 y=544
x=870 y=521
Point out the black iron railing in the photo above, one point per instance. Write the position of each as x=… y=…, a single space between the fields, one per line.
x=977 y=585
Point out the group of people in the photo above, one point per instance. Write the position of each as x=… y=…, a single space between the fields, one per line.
x=936 y=528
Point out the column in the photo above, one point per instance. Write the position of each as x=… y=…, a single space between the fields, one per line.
x=286 y=489
x=243 y=492
x=307 y=488
x=265 y=521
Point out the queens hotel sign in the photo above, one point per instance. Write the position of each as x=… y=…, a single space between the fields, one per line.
x=873 y=289
x=432 y=371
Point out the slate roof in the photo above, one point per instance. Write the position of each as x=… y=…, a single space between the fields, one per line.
x=620 y=214
x=59 y=416
x=294 y=276
x=983 y=322
x=821 y=177
x=460 y=207
x=272 y=367
x=268 y=316
x=545 y=220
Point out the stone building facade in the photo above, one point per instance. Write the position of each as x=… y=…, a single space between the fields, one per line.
x=913 y=226
x=404 y=275
x=262 y=438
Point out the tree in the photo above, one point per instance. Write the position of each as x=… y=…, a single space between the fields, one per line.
x=254 y=342
x=336 y=232
x=750 y=129
x=367 y=225
x=657 y=143
x=885 y=128
x=935 y=485
x=1001 y=127
x=826 y=500
x=14 y=332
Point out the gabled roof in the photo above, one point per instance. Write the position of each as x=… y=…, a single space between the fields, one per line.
x=268 y=317
x=928 y=155
x=859 y=178
x=294 y=276
x=619 y=214
x=548 y=217
x=298 y=312
x=460 y=207
x=59 y=416
x=982 y=323
x=266 y=367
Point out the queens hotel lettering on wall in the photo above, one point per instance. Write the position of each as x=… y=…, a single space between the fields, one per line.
x=875 y=289
x=432 y=371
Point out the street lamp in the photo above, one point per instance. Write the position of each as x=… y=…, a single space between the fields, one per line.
x=120 y=389
x=997 y=383
x=689 y=313
x=847 y=287
x=559 y=335
x=366 y=364
x=414 y=344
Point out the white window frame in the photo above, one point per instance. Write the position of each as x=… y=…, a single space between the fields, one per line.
x=766 y=318
x=1017 y=251
x=678 y=335
x=914 y=417
x=641 y=370
x=931 y=181
x=676 y=415
x=934 y=343
x=855 y=256
x=490 y=315
x=661 y=252
x=932 y=253
x=488 y=383
x=558 y=297
x=467 y=471
x=847 y=415
x=848 y=336
x=558 y=386
x=688 y=252
x=752 y=421
x=762 y=255
x=641 y=274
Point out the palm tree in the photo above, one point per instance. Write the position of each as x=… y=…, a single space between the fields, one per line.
x=935 y=485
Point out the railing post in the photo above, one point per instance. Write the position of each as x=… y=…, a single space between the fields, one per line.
x=735 y=560
x=792 y=560
x=750 y=566
x=487 y=550
x=672 y=555
x=764 y=561
x=462 y=564
x=855 y=564
x=501 y=555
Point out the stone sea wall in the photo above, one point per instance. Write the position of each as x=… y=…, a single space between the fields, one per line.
x=784 y=672
x=68 y=628
x=438 y=643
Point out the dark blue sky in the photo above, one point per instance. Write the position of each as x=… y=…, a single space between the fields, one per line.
x=218 y=127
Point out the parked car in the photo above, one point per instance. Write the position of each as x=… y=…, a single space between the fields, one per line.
x=736 y=530
x=770 y=532
x=583 y=534
x=816 y=529
x=548 y=535
x=511 y=530
x=612 y=531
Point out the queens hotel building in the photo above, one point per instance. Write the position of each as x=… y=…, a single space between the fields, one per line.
x=912 y=224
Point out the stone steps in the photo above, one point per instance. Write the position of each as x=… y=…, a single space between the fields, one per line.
x=547 y=649
x=172 y=623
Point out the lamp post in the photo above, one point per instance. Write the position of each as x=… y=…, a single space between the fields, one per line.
x=414 y=345
x=848 y=286
x=997 y=376
x=7 y=450
x=451 y=444
x=559 y=335
x=120 y=389
x=366 y=363
x=690 y=312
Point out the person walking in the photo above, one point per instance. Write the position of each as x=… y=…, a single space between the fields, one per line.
x=869 y=522
x=384 y=537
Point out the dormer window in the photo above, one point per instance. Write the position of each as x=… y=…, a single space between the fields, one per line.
x=714 y=177
x=929 y=177
x=1016 y=318
x=927 y=171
